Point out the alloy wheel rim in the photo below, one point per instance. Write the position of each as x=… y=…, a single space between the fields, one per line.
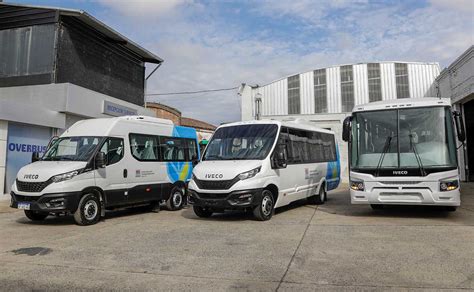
x=177 y=199
x=90 y=209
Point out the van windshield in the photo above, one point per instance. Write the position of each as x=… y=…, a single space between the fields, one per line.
x=244 y=142
x=72 y=149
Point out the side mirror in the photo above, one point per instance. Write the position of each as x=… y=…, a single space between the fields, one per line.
x=346 y=129
x=35 y=157
x=100 y=160
x=459 y=126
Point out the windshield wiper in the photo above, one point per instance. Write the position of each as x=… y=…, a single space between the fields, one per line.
x=386 y=147
x=417 y=156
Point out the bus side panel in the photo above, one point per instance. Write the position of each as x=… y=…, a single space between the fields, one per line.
x=333 y=172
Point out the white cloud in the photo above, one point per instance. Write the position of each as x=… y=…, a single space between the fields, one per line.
x=201 y=51
x=144 y=8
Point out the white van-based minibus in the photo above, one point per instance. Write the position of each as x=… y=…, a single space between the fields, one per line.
x=108 y=163
x=263 y=165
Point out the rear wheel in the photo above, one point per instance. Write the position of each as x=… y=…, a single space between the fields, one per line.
x=36 y=215
x=202 y=212
x=320 y=198
x=176 y=199
x=265 y=209
x=88 y=211
x=376 y=206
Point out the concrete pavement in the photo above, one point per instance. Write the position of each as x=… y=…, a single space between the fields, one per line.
x=332 y=247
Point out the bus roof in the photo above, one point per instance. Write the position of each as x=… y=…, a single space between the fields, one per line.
x=103 y=126
x=402 y=103
x=296 y=124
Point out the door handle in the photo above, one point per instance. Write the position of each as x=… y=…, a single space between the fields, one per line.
x=125 y=173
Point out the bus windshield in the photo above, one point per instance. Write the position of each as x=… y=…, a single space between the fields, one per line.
x=72 y=149
x=243 y=142
x=403 y=138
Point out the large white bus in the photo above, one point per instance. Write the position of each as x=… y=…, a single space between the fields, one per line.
x=262 y=165
x=101 y=164
x=403 y=152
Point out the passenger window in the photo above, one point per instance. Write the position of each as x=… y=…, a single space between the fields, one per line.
x=173 y=149
x=113 y=149
x=192 y=149
x=144 y=147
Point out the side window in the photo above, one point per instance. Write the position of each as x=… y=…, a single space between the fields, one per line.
x=173 y=149
x=144 y=147
x=191 y=149
x=329 y=147
x=113 y=149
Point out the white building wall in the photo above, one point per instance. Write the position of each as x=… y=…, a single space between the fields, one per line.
x=3 y=153
x=387 y=75
x=361 y=86
x=307 y=92
x=333 y=84
x=421 y=80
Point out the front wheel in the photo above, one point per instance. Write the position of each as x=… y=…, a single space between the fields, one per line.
x=176 y=199
x=36 y=215
x=88 y=210
x=265 y=209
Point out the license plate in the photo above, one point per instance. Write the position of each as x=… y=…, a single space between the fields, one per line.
x=24 y=206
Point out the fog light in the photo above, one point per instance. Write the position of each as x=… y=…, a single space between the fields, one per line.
x=446 y=186
x=357 y=185
x=55 y=203
x=245 y=196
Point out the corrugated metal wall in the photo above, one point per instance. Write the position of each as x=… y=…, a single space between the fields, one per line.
x=275 y=95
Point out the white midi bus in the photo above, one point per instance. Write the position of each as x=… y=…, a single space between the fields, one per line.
x=403 y=152
x=100 y=164
x=262 y=165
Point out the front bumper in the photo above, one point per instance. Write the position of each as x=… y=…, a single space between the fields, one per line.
x=51 y=203
x=235 y=200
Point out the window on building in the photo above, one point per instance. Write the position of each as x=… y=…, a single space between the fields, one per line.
x=375 y=85
x=320 y=96
x=347 y=88
x=401 y=79
x=294 y=106
x=27 y=50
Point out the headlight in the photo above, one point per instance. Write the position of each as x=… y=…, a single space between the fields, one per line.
x=250 y=173
x=357 y=185
x=449 y=185
x=64 y=176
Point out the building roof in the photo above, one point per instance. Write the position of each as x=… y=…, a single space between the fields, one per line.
x=91 y=21
x=348 y=64
x=459 y=61
x=189 y=122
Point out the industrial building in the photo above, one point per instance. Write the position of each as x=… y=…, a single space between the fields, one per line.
x=325 y=96
x=58 y=66
x=457 y=82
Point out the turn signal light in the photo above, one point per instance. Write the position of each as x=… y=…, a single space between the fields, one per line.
x=357 y=185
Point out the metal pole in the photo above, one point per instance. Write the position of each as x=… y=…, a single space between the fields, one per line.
x=146 y=81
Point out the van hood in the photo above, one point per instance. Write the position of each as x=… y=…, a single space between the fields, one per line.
x=43 y=170
x=224 y=169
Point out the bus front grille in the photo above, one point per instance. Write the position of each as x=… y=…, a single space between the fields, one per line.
x=215 y=184
x=32 y=187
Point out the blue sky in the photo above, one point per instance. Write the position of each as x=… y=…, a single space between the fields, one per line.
x=220 y=44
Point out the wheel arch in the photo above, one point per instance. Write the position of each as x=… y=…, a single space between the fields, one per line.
x=274 y=189
x=100 y=193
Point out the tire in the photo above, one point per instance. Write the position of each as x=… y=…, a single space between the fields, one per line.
x=202 y=212
x=450 y=208
x=376 y=206
x=36 y=215
x=176 y=199
x=266 y=207
x=154 y=206
x=88 y=210
x=320 y=198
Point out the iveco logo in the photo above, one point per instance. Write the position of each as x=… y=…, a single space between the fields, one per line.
x=31 y=176
x=214 y=175
x=400 y=172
